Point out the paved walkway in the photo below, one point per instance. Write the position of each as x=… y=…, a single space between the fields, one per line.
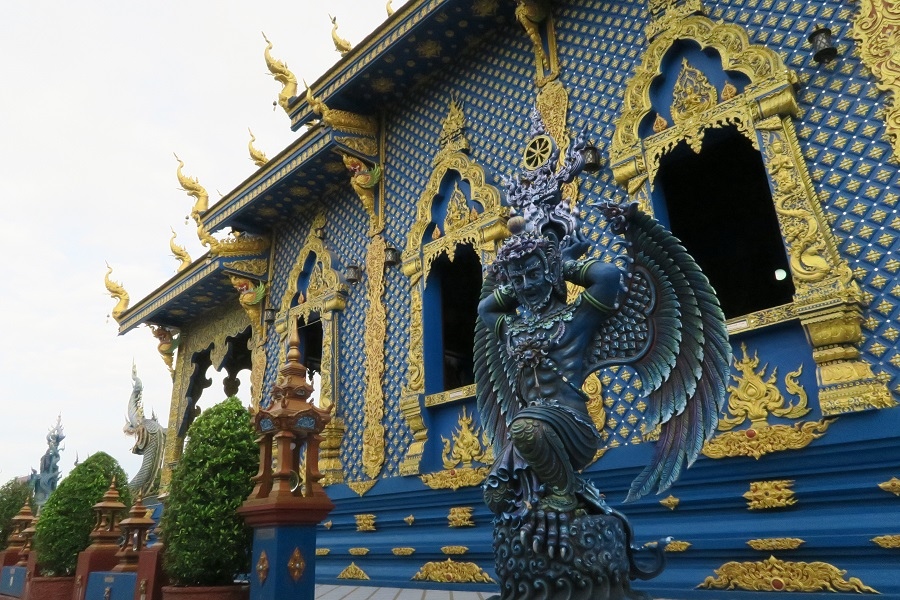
x=360 y=592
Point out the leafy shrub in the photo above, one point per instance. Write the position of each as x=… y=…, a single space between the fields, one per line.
x=206 y=542
x=67 y=519
x=13 y=495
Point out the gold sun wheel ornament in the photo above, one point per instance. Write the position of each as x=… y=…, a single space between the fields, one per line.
x=537 y=152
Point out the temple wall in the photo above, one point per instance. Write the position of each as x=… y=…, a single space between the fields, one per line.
x=825 y=493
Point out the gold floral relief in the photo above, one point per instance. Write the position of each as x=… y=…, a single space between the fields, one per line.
x=892 y=486
x=376 y=330
x=877 y=27
x=887 y=541
x=677 y=546
x=774 y=575
x=670 y=502
x=755 y=398
x=460 y=516
x=451 y=571
x=365 y=522
x=402 y=551
x=692 y=95
x=770 y=494
x=361 y=487
x=769 y=544
x=353 y=572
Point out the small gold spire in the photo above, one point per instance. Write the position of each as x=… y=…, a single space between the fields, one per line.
x=179 y=252
x=389 y=8
x=282 y=75
x=118 y=292
x=340 y=44
x=193 y=189
x=258 y=157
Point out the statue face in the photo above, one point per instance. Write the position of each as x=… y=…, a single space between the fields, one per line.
x=531 y=281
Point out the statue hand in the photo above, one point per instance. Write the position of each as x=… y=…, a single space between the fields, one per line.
x=576 y=247
x=548 y=530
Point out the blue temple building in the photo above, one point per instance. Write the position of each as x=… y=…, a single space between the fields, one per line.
x=763 y=133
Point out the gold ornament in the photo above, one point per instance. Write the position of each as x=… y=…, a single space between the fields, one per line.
x=451 y=550
x=692 y=95
x=450 y=571
x=876 y=27
x=342 y=120
x=774 y=575
x=193 y=189
x=365 y=522
x=257 y=156
x=754 y=398
x=179 y=252
x=460 y=516
x=322 y=551
x=467 y=445
x=282 y=75
x=296 y=565
x=892 y=485
x=453 y=479
x=340 y=44
x=352 y=572
x=358 y=551
x=769 y=544
x=677 y=546
x=409 y=519
x=671 y=502
x=374 y=336
x=887 y=541
x=262 y=567
x=402 y=551
x=118 y=293
x=770 y=494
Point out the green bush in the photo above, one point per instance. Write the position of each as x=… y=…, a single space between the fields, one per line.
x=13 y=495
x=206 y=542
x=67 y=519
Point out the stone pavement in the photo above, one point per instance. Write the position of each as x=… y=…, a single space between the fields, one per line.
x=354 y=592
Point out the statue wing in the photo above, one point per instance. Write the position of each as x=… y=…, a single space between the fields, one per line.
x=671 y=330
x=497 y=402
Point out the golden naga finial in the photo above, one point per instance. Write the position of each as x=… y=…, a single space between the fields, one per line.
x=340 y=44
x=389 y=8
x=258 y=157
x=179 y=252
x=194 y=189
x=118 y=292
x=205 y=237
x=282 y=75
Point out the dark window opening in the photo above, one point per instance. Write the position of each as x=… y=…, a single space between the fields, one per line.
x=719 y=204
x=460 y=285
x=311 y=337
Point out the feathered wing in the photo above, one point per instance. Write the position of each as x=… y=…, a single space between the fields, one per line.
x=497 y=404
x=671 y=330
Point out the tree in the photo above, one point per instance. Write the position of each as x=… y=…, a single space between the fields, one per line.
x=206 y=542
x=13 y=495
x=67 y=519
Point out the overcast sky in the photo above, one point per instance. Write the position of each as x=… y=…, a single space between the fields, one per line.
x=94 y=99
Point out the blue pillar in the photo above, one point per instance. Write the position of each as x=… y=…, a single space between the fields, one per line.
x=289 y=565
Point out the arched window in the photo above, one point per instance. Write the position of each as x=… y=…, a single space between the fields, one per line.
x=719 y=204
x=451 y=307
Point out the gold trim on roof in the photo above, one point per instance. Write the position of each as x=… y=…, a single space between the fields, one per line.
x=179 y=252
x=117 y=291
x=256 y=155
x=282 y=74
x=193 y=189
x=342 y=45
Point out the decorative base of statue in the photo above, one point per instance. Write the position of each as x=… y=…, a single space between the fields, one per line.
x=602 y=567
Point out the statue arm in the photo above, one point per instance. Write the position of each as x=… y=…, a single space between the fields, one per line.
x=502 y=301
x=602 y=282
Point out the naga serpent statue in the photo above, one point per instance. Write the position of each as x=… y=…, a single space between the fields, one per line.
x=150 y=441
x=652 y=309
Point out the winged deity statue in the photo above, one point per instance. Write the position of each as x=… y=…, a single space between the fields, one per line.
x=652 y=309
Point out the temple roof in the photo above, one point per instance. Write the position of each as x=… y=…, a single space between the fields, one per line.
x=405 y=51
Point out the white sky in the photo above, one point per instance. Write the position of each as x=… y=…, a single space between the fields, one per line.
x=95 y=96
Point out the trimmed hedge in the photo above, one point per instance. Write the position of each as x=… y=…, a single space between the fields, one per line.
x=13 y=495
x=67 y=519
x=206 y=542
